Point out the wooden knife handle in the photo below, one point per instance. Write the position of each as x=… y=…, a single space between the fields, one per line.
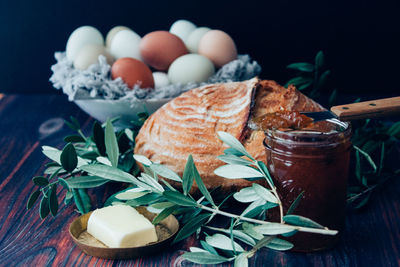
x=368 y=109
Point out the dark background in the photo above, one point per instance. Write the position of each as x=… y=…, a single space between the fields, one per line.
x=360 y=38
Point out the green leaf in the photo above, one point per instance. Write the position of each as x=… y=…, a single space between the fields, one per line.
x=204 y=258
x=99 y=139
x=165 y=172
x=68 y=158
x=85 y=181
x=305 y=86
x=369 y=159
x=44 y=207
x=129 y=134
x=40 y=180
x=32 y=199
x=54 y=154
x=232 y=159
x=188 y=175
x=149 y=180
x=223 y=242
x=232 y=151
x=71 y=125
x=279 y=244
x=74 y=139
x=131 y=194
x=199 y=181
x=142 y=159
x=53 y=201
x=394 y=130
x=303 y=66
x=68 y=197
x=75 y=122
x=191 y=226
x=297 y=81
x=208 y=247
x=231 y=141
x=264 y=169
x=332 y=98
x=273 y=229
x=109 y=172
x=242 y=260
x=111 y=144
x=164 y=214
x=144 y=200
x=264 y=193
x=64 y=183
x=295 y=203
x=319 y=60
x=254 y=208
x=248 y=229
x=301 y=221
x=162 y=205
x=323 y=79
x=82 y=200
x=179 y=198
x=246 y=195
x=237 y=172
x=240 y=235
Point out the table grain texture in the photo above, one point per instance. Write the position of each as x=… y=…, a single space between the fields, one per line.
x=371 y=238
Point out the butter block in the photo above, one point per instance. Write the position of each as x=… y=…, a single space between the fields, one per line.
x=121 y=226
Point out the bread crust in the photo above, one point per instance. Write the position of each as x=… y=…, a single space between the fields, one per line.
x=188 y=125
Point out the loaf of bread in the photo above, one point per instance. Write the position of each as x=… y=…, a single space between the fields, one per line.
x=188 y=125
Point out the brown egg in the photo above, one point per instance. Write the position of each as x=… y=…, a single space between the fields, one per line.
x=132 y=71
x=218 y=46
x=160 y=48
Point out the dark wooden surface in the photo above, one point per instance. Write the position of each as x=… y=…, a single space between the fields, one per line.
x=371 y=238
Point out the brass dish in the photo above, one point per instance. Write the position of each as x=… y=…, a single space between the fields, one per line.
x=166 y=230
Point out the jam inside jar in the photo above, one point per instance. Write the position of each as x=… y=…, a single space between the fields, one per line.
x=314 y=162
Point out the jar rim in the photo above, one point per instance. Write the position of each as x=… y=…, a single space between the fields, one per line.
x=312 y=137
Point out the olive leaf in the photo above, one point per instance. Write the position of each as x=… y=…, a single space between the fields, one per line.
x=233 y=143
x=264 y=193
x=246 y=195
x=301 y=221
x=111 y=144
x=44 y=207
x=208 y=248
x=82 y=200
x=319 y=60
x=194 y=173
x=142 y=159
x=279 y=244
x=163 y=214
x=128 y=195
x=68 y=157
x=204 y=258
x=295 y=203
x=32 y=199
x=40 y=180
x=234 y=171
x=223 y=242
x=191 y=226
x=180 y=199
x=165 y=172
x=188 y=175
x=236 y=234
x=108 y=172
x=273 y=229
x=99 y=138
x=232 y=159
x=302 y=66
x=85 y=181
x=53 y=201
x=74 y=139
x=232 y=151
x=242 y=260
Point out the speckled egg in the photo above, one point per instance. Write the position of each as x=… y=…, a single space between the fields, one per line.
x=218 y=46
x=132 y=72
x=190 y=68
x=160 y=48
x=89 y=55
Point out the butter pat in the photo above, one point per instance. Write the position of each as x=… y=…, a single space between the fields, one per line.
x=121 y=226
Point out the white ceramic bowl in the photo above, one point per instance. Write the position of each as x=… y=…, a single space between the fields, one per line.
x=102 y=110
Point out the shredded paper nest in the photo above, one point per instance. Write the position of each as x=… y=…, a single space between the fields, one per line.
x=96 y=82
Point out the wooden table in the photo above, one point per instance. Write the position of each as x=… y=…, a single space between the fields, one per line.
x=371 y=238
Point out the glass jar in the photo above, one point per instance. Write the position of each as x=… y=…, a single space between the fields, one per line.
x=314 y=162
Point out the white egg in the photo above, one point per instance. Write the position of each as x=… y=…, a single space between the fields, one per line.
x=113 y=32
x=89 y=54
x=190 y=68
x=126 y=44
x=160 y=79
x=80 y=37
x=192 y=42
x=182 y=28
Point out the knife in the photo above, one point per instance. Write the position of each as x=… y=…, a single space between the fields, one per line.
x=361 y=110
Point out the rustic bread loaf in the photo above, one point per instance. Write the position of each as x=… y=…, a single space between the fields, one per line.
x=188 y=125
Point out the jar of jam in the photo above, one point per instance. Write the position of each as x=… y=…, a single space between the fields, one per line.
x=315 y=161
